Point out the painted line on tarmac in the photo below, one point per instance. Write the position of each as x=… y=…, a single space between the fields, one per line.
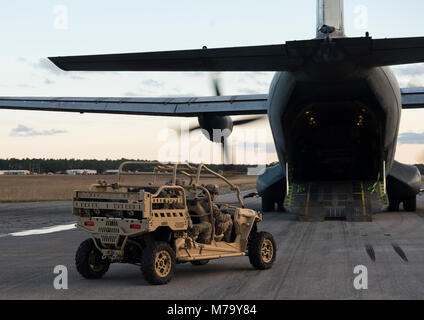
x=42 y=231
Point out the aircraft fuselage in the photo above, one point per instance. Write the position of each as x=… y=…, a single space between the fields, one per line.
x=335 y=125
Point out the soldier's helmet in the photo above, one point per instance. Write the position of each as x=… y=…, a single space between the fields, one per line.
x=212 y=188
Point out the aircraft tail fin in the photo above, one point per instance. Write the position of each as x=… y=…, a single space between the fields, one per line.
x=330 y=18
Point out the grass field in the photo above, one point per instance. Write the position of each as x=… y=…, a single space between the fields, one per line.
x=60 y=187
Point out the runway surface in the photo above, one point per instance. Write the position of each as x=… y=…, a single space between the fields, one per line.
x=315 y=261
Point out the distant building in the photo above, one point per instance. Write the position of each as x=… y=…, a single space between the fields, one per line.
x=15 y=172
x=75 y=172
x=111 y=172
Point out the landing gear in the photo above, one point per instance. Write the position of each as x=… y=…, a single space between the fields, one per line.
x=410 y=204
x=268 y=203
x=270 y=200
x=394 y=205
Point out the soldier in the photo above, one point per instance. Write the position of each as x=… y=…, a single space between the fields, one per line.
x=175 y=193
x=202 y=232
x=223 y=221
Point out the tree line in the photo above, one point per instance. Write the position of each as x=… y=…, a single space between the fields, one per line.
x=43 y=166
x=61 y=165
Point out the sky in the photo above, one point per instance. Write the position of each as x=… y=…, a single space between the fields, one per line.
x=30 y=31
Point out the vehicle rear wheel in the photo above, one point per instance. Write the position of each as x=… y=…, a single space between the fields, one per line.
x=262 y=250
x=158 y=263
x=199 y=262
x=410 y=204
x=89 y=262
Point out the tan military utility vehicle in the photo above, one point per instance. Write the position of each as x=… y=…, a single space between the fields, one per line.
x=155 y=224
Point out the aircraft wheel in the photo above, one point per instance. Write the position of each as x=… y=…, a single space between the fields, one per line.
x=89 y=262
x=410 y=204
x=158 y=263
x=394 y=205
x=262 y=250
x=280 y=206
x=268 y=203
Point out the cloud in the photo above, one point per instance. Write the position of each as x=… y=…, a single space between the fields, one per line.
x=195 y=74
x=24 y=131
x=248 y=91
x=24 y=85
x=415 y=84
x=47 y=65
x=152 y=83
x=411 y=138
x=131 y=94
x=412 y=70
x=260 y=147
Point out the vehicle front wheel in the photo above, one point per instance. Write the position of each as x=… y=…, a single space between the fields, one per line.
x=199 y=262
x=262 y=250
x=158 y=263
x=89 y=262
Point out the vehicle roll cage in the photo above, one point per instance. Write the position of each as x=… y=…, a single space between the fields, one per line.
x=194 y=173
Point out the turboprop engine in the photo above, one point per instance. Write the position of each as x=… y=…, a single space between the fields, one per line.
x=215 y=128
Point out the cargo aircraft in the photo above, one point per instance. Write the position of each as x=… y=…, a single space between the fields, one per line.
x=334 y=107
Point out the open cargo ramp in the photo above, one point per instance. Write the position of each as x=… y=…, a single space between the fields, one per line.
x=346 y=200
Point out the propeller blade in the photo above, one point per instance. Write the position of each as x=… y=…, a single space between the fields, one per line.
x=216 y=85
x=225 y=152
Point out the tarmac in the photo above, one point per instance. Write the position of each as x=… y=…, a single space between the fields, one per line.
x=315 y=260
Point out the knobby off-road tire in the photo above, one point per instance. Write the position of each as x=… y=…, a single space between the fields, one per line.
x=89 y=262
x=158 y=263
x=262 y=250
x=199 y=262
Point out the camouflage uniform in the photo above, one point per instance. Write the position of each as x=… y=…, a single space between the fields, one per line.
x=202 y=231
x=223 y=221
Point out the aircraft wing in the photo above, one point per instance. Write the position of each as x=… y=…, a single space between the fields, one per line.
x=413 y=98
x=172 y=107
